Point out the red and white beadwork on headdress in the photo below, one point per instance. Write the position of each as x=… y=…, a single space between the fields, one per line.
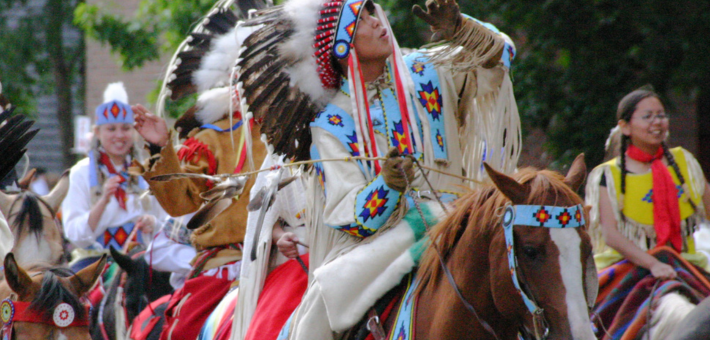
x=336 y=28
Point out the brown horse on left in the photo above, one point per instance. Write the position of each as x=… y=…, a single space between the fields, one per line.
x=44 y=302
x=32 y=220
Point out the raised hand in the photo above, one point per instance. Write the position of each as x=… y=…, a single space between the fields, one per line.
x=151 y=127
x=443 y=16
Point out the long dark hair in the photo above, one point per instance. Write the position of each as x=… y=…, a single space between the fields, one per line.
x=624 y=111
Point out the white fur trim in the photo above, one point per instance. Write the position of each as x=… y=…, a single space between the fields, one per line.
x=216 y=66
x=366 y=273
x=299 y=47
x=213 y=105
x=671 y=310
x=116 y=91
x=365 y=286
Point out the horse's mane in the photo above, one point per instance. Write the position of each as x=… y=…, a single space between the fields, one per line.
x=52 y=293
x=482 y=209
x=30 y=212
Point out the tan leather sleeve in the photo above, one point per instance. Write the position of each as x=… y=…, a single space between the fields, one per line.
x=181 y=196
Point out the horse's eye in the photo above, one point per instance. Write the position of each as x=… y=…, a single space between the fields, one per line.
x=531 y=252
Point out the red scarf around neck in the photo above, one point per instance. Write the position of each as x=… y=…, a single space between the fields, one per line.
x=666 y=212
x=120 y=192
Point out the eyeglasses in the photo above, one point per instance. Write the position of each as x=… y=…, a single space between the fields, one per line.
x=650 y=118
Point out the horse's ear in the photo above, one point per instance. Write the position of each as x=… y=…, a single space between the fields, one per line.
x=516 y=192
x=17 y=278
x=577 y=173
x=123 y=261
x=25 y=182
x=85 y=279
x=56 y=196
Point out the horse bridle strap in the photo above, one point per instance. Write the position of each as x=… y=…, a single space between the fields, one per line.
x=19 y=311
x=536 y=216
x=456 y=288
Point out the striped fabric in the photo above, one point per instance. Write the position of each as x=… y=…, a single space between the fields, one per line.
x=219 y=324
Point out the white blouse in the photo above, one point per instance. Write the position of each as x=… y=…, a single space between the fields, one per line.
x=77 y=206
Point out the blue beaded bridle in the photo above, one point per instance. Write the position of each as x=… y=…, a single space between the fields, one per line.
x=541 y=216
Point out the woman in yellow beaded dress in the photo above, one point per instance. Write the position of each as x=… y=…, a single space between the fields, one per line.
x=645 y=205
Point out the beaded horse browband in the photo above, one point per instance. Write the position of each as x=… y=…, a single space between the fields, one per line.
x=541 y=216
x=19 y=311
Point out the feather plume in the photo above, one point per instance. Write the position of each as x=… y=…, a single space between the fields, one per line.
x=205 y=58
x=215 y=68
x=213 y=105
x=116 y=91
x=221 y=21
x=15 y=134
x=200 y=41
x=278 y=75
x=187 y=122
x=218 y=199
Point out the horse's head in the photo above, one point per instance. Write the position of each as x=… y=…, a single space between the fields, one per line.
x=141 y=286
x=43 y=303
x=32 y=220
x=555 y=266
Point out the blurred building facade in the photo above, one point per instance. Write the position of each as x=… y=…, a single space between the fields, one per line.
x=101 y=67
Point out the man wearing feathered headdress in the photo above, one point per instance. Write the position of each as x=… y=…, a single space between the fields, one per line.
x=339 y=87
x=215 y=142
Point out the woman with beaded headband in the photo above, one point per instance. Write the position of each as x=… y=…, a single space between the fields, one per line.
x=354 y=94
x=104 y=203
x=647 y=197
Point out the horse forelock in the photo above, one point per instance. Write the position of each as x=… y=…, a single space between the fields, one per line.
x=53 y=292
x=29 y=214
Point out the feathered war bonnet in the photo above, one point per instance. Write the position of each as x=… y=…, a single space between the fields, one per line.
x=287 y=71
x=115 y=108
x=203 y=64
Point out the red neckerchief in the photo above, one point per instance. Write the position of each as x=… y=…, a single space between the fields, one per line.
x=120 y=192
x=666 y=212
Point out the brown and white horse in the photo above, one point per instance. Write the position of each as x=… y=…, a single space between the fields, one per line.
x=555 y=266
x=44 y=303
x=38 y=237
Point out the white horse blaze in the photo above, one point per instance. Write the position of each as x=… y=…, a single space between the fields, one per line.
x=571 y=269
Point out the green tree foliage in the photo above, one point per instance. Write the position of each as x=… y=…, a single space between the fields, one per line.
x=576 y=58
x=157 y=27
x=37 y=59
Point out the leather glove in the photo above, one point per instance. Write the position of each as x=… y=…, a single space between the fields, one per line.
x=392 y=170
x=443 y=16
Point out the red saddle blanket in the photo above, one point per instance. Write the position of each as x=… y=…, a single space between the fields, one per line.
x=190 y=305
